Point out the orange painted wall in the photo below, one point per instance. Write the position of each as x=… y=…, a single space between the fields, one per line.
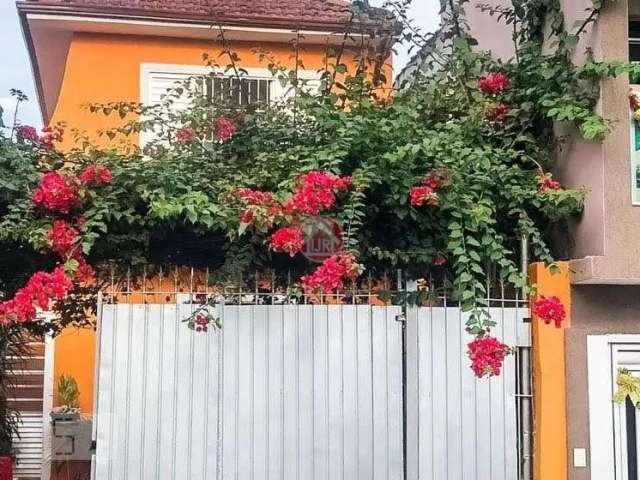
x=549 y=377
x=74 y=354
x=106 y=68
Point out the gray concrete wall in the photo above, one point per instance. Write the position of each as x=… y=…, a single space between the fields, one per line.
x=597 y=310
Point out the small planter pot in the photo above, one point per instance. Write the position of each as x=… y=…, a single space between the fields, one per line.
x=6 y=468
x=67 y=416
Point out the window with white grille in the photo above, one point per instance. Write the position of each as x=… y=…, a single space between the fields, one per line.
x=256 y=86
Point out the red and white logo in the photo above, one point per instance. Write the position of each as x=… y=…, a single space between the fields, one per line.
x=322 y=238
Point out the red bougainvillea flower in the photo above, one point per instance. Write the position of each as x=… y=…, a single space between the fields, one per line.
x=423 y=195
x=225 y=129
x=496 y=112
x=487 y=356
x=330 y=276
x=494 y=83
x=39 y=291
x=50 y=135
x=255 y=197
x=84 y=274
x=287 y=240
x=63 y=237
x=322 y=180
x=550 y=310
x=56 y=192
x=316 y=191
x=426 y=193
x=261 y=207
x=546 y=183
x=186 y=135
x=97 y=175
x=440 y=260
x=27 y=133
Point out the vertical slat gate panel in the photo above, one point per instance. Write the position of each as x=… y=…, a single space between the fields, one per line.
x=105 y=392
x=245 y=392
x=305 y=392
x=275 y=385
x=260 y=369
x=231 y=414
x=168 y=405
x=135 y=402
x=426 y=396
x=320 y=393
x=351 y=434
x=394 y=380
x=463 y=427
x=335 y=347
x=152 y=369
x=365 y=394
x=291 y=388
x=453 y=338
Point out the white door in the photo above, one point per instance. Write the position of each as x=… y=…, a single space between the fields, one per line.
x=614 y=429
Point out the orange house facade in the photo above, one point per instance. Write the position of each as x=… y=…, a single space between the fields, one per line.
x=101 y=51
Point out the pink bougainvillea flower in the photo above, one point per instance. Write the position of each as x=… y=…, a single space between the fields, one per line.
x=40 y=290
x=97 y=175
x=186 y=135
x=63 y=237
x=423 y=195
x=84 y=274
x=550 y=310
x=331 y=275
x=546 y=183
x=494 y=83
x=27 y=133
x=287 y=240
x=225 y=129
x=316 y=192
x=497 y=112
x=487 y=356
x=50 y=135
x=56 y=193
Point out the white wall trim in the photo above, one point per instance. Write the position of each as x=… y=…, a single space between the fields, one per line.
x=47 y=405
x=165 y=23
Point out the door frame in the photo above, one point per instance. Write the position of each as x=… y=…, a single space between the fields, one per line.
x=601 y=371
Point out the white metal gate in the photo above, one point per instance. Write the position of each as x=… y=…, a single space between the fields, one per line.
x=305 y=392
x=460 y=427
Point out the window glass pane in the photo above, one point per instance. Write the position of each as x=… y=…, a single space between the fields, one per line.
x=634 y=51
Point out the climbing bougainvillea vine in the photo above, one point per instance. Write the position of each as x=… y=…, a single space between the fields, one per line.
x=314 y=193
x=60 y=195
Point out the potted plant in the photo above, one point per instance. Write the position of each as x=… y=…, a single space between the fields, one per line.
x=68 y=394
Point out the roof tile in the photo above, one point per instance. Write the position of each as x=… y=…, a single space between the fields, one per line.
x=293 y=13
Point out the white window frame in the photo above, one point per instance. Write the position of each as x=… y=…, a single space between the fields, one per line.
x=607 y=445
x=147 y=70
